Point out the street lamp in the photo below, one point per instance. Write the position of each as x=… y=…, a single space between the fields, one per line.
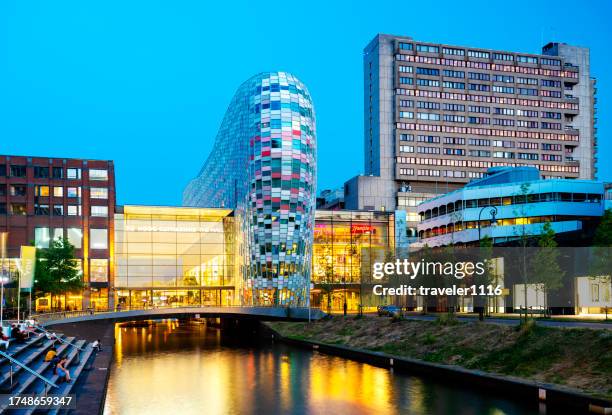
x=493 y=213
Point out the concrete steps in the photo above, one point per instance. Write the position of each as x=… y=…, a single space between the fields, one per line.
x=28 y=357
x=15 y=380
x=75 y=357
x=24 y=380
x=66 y=388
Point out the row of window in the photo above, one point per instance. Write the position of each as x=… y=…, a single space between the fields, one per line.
x=432 y=116
x=452 y=129
x=486 y=98
x=58 y=191
x=455 y=162
x=43 y=209
x=518 y=199
x=486 y=66
x=98 y=238
x=404 y=103
x=482 y=76
x=41 y=172
x=55 y=191
x=461 y=225
x=479 y=153
x=479 y=142
x=480 y=54
x=480 y=87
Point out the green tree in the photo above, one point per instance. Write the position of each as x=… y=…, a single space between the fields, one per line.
x=601 y=258
x=56 y=270
x=488 y=277
x=545 y=263
x=522 y=199
x=425 y=254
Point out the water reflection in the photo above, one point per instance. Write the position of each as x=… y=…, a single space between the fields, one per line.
x=177 y=367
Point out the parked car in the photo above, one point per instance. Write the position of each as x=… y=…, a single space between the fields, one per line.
x=388 y=310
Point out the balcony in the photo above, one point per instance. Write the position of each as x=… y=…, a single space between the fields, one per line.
x=572 y=99
x=571 y=161
x=571 y=67
x=571 y=130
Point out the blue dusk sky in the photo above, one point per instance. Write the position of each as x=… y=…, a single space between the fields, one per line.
x=146 y=83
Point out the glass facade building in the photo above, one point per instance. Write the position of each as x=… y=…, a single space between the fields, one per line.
x=183 y=256
x=263 y=165
x=167 y=256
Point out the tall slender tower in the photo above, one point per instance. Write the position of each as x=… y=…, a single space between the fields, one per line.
x=263 y=165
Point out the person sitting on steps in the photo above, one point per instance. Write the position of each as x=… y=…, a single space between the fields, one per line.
x=17 y=334
x=50 y=354
x=62 y=369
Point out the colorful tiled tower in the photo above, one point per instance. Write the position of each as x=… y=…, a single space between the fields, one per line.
x=263 y=165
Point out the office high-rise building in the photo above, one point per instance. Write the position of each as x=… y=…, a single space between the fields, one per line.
x=437 y=116
x=263 y=164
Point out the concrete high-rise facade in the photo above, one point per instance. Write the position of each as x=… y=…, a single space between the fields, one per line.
x=263 y=165
x=437 y=116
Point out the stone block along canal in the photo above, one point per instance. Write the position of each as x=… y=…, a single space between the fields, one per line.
x=188 y=367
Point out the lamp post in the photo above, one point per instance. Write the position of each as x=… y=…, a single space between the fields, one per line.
x=493 y=213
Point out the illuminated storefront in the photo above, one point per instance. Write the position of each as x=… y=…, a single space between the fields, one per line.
x=346 y=244
x=174 y=256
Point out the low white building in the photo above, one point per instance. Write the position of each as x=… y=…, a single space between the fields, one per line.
x=508 y=203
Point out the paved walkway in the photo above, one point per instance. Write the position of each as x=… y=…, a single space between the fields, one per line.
x=516 y=321
x=91 y=390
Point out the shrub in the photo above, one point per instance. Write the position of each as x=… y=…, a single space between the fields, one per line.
x=447 y=320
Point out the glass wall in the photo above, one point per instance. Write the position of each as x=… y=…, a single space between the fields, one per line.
x=346 y=244
x=173 y=256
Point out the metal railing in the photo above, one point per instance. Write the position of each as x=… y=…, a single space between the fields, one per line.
x=53 y=336
x=11 y=359
x=60 y=315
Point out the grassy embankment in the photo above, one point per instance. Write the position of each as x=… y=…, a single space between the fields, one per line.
x=576 y=358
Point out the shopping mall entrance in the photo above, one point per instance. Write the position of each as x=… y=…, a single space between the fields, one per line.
x=143 y=298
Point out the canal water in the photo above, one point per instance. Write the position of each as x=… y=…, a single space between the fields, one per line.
x=178 y=367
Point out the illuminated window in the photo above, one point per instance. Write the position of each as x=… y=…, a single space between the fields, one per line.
x=98 y=174
x=58 y=191
x=74 y=210
x=74 y=174
x=42 y=191
x=41 y=237
x=98 y=270
x=100 y=211
x=74 y=192
x=594 y=292
x=98 y=238
x=18 y=209
x=75 y=237
x=98 y=193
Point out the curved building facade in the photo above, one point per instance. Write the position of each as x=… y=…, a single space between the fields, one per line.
x=263 y=165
